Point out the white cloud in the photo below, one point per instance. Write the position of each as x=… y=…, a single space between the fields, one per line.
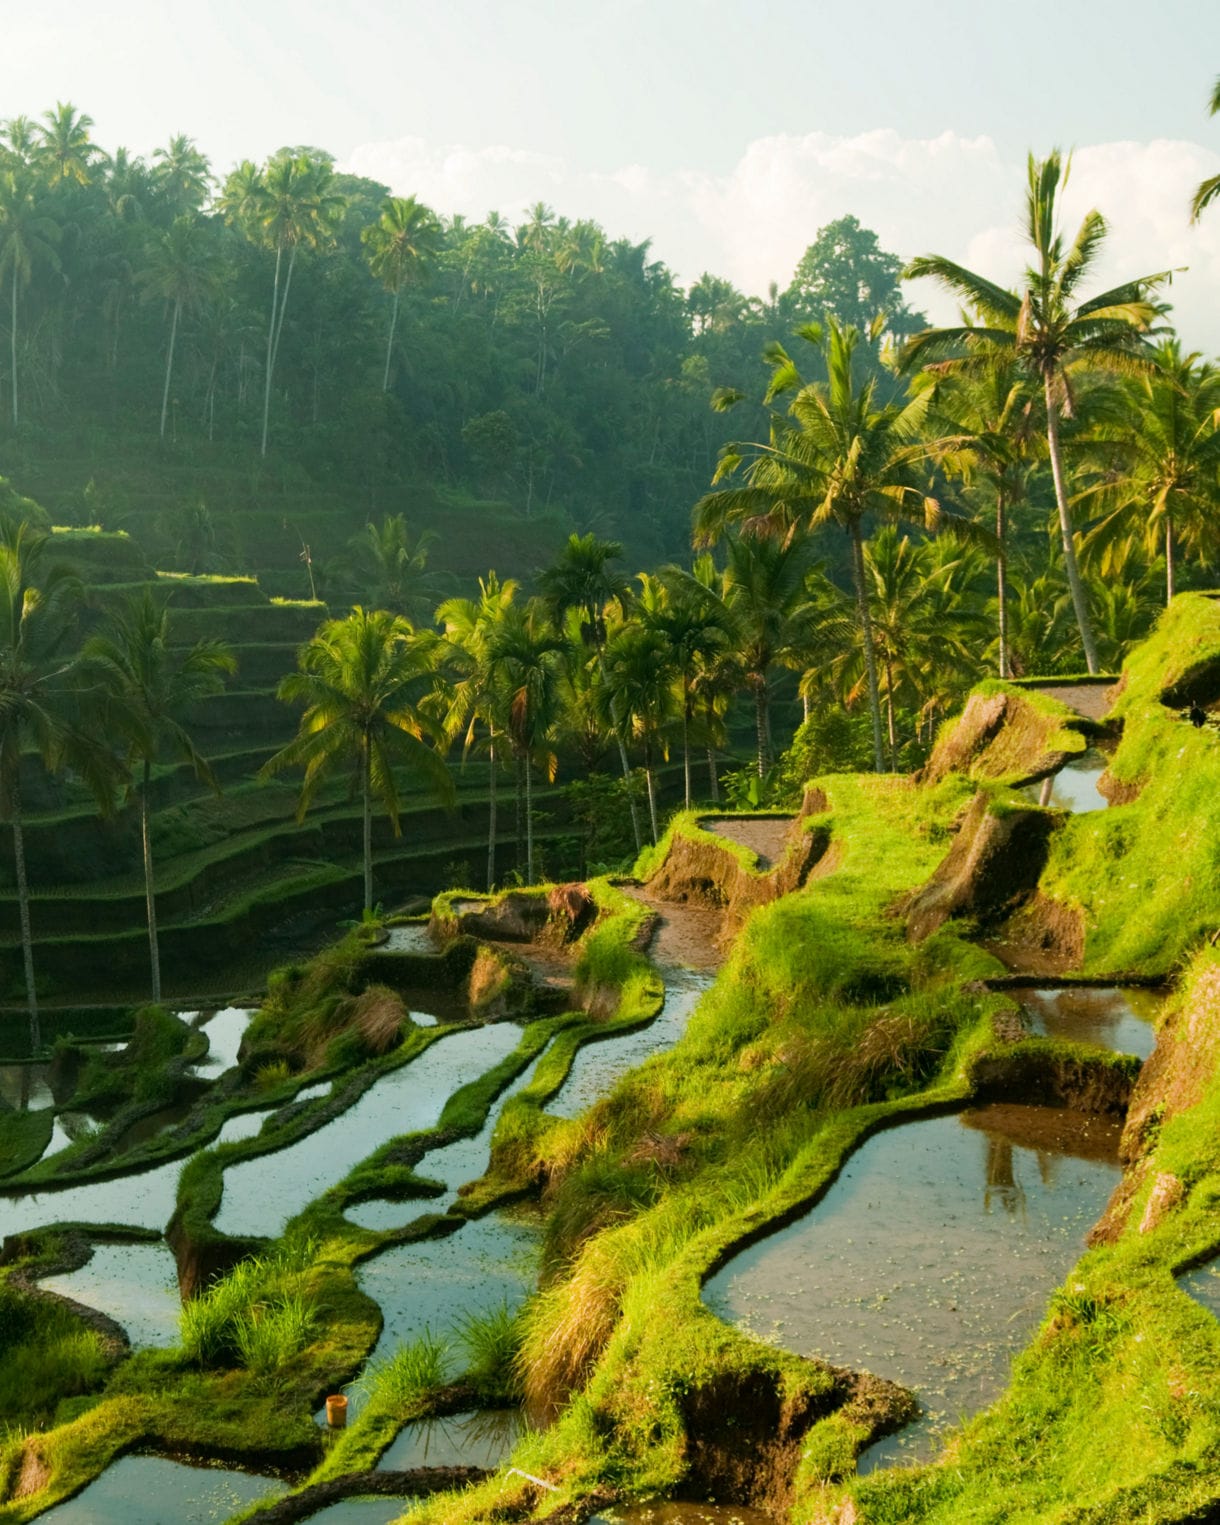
x=950 y=194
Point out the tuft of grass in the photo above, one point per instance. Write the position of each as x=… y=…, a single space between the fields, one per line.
x=406 y=1376
x=490 y=1343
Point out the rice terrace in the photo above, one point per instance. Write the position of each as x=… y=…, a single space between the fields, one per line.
x=610 y=893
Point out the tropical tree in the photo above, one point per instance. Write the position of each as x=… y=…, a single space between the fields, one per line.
x=42 y=687
x=524 y=653
x=838 y=457
x=150 y=687
x=28 y=236
x=63 y=144
x=989 y=413
x=181 y=172
x=399 y=246
x=182 y=272
x=394 y=558
x=1210 y=188
x=289 y=206
x=1159 y=475
x=582 y=579
x=475 y=697
x=638 y=694
x=687 y=622
x=1057 y=337
x=361 y=680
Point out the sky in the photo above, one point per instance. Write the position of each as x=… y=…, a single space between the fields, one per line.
x=726 y=132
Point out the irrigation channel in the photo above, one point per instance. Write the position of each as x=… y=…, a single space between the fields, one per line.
x=429 y=1284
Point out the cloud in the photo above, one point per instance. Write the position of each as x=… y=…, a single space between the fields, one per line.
x=951 y=194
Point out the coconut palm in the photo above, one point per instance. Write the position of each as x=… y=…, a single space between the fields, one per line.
x=1160 y=474
x=400 y=245
x=524 y=655
x=582 y=579
x=28 y=237
x=474 y=696
x=289 y=206
x=688 y=624
x=361 y=680
x=1058 y=338
x=837 y=457
x=64 y=145
x=1209 y=189
x=181 y=272
x=150 y=687
x=394 y=558
x=182 y=173
x=637 y=693
x=42 y=687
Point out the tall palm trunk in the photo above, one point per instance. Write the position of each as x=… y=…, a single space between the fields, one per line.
x=622 y=754
x=529 y=823
x=491 y=813
x=760 y=720
x=389 y=348
x=1169 y=567
x=169 y=368
x=889 y=715
x=520 y=813
x=275 y=303
x=650 y=779
x=367 y=824
x=1001 y=579
x=1075 y=586
x=686 y=740
x=150 y=900
x=13 y=347
x=866 y=636
x=713 y=781
x=23 y=911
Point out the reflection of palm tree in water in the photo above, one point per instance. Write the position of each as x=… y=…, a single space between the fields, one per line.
x=1001 y=1179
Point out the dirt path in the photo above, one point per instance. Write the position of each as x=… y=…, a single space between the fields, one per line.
x=764 y=835
x=1092 y=700
x=686 y=936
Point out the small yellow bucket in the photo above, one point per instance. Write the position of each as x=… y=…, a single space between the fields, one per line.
x=336 y=1411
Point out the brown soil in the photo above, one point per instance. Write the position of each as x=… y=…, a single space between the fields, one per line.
x=1043 y=938
x=997 y=736
x=765 y=836
x=1092 y=700
x=686 y=935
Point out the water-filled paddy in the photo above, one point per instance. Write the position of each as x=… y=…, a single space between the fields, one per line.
x=225 y=1029
x=931 y=1257
x=481 y=1438
x=1120 y=1020
x=433 y=1283
x=140 y=1199
x=136 y=1284
x=149 y=1490
x=260 y=1195
x=599 y=1065
x=1074 y=787
x=366 y=1511
x=411 y=939
x=1203 y=1284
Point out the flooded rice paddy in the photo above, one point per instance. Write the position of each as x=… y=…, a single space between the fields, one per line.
x=262 y=1194
x=599 y=1065
x=150 y=1490
x=135 y=1284
x=1074 y=787
x=1120 y=1020
x=1203 y=1284
x=931 y=1257
x=481 y=1438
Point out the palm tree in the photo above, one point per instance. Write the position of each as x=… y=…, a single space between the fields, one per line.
x=361 y=679
x=181 y=271
x=990 y=410
x=1056 y=337
x=289 y=206
x=27 y=237
x=42 y=687
x=395 y=558
x=1160 y=478
x=64 y=145
x=581 y=579
x=693 y=634
x=400 y=245
x=150 y=686
x=523 y=654
x=1209 y=189
x=182 y=173
x=637 y=692
x=470 y=628
x=839 y=457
